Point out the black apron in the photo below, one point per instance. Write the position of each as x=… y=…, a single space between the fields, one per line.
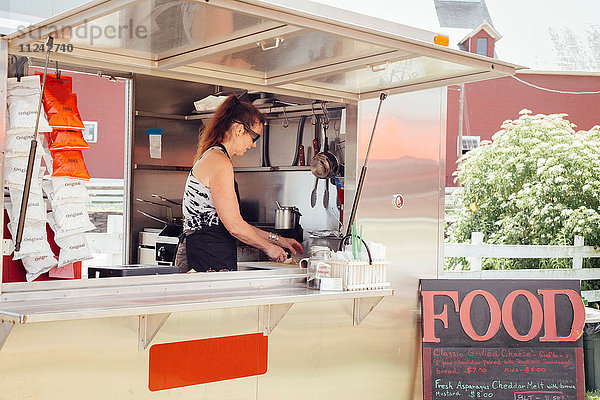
x=212 y=248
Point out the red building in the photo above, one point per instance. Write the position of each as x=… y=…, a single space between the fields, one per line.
x=487 y=104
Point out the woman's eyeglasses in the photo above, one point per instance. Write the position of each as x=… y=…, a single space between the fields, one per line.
x=255 y=136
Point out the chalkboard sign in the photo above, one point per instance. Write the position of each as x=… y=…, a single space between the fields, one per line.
x=502 y=339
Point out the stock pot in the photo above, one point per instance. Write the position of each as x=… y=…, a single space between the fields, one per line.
x=287 y=217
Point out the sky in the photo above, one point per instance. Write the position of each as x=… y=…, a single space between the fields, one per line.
x=551 y=35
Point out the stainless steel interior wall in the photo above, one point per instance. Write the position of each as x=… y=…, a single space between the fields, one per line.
x=258 y=189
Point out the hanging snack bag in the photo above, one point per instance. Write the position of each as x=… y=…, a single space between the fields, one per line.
x=27 y=86
x=70 y=164
x=23 y=100
x=68 y=190
x=65 y=139
x=37 y=265
x=60 y=104
x=22 y=111
x=36 y=206
x=72 y=249
x=63 y=112
x=64 y=83
x=33 y=242
x=18 y=142
x=15 y=171
x=60 y=234
x=72 y=217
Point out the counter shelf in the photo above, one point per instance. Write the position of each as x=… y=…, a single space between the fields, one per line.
x=292 y=111
x=154 y=298
x=179 y=168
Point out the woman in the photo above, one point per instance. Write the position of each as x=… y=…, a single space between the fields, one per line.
x=212 y=219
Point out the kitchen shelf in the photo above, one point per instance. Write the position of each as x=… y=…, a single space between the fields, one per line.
x=290 y=111
x=179 y=168
x=274 y=112
x=148 y=167
x=272 y=169
x=153 y=298
x=160 y=115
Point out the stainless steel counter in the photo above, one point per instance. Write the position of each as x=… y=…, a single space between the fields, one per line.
x=274 y=287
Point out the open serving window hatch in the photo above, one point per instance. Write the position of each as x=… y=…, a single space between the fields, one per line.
x=283 y=46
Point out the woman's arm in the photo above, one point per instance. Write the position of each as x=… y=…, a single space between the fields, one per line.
x=291 y=244
x=222 y=188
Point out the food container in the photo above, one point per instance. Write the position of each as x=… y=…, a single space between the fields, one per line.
x=317 y=266
x=287 y=217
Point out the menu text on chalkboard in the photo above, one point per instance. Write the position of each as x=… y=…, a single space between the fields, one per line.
x=499 y=339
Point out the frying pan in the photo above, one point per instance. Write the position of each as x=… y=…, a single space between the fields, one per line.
x=325 y=164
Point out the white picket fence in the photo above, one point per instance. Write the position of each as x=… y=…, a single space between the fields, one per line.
x=106 y=194
x=477 y=249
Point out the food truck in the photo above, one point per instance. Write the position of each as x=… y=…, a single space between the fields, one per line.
x=258 y=332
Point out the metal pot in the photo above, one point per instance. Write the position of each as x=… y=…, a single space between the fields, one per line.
x=287 y=217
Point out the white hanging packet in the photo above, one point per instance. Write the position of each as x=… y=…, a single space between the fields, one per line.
x=27 y=85
x=69 y=190
x=71 y=218
x=22 y=111
x=23 y=99
x=33 y=242
x=72 y=249
x=37 y=265
x=15 y=172
x=36 y=206
x=18 y=142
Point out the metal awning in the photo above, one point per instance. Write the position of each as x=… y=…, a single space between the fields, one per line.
x=292 y=47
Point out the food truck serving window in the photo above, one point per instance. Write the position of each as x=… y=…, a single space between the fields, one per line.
x=282 y=53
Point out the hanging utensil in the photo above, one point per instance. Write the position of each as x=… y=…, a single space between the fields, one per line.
x=285 y=122
x=325 y=147
x=363 y=171
x=324 y=164
x=299 y=155
x=326 y=195
x=266 y=161
x=301 y=160
x=313 y=195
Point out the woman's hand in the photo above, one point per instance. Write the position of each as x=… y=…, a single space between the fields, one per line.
x=276 y=253
x=291 y=244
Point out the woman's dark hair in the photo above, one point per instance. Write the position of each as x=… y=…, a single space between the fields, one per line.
x=231 y=109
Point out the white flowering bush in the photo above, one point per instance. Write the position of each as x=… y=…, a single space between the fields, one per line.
x=536 y=182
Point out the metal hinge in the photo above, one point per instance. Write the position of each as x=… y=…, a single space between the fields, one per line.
x=7 y=247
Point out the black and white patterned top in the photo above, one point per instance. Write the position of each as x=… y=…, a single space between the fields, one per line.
x=198 y=208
